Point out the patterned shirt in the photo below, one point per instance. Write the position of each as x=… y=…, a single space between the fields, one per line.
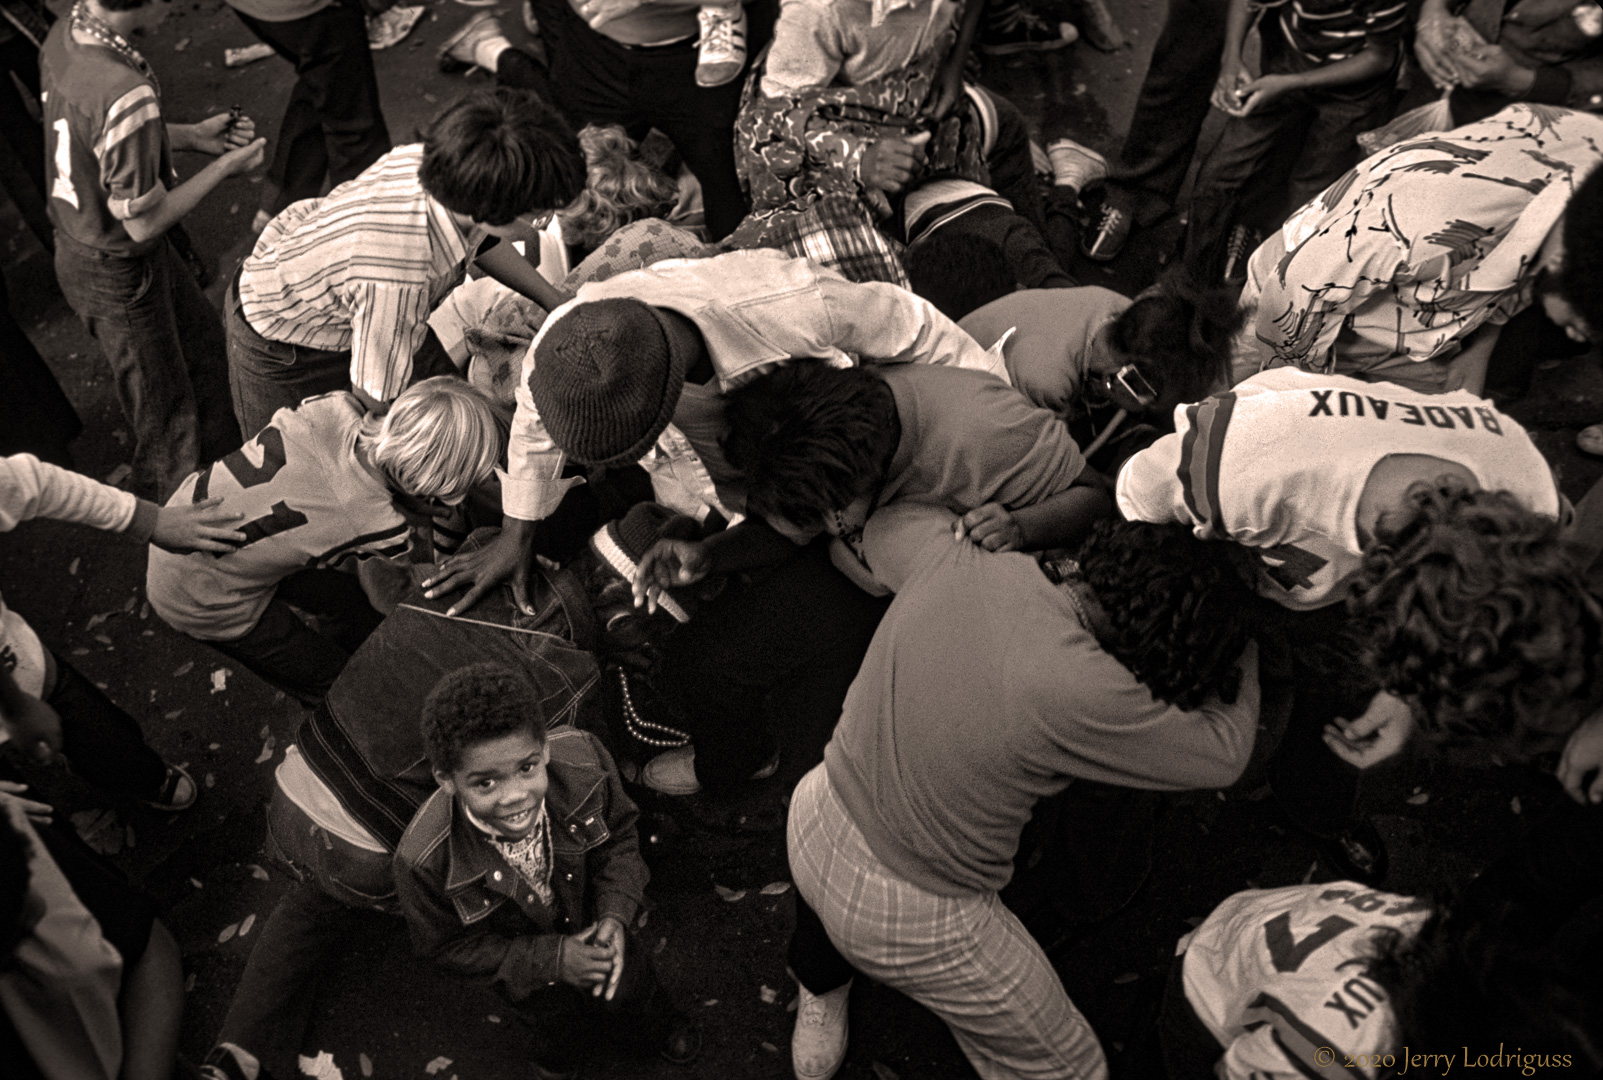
x=108 y=157
x=530 y=856
x=359 y=269
x=1417 y=246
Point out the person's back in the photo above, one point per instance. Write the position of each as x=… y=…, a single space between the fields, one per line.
x=985 y=690
x=850 y=42
x=308 y=498
x=1281 y=462
x=1400 y=260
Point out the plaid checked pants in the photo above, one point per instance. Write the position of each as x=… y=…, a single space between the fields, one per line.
x=966 y=958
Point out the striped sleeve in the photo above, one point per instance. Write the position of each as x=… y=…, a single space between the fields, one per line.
x=129 y=152
x=1280 y=1045
x=1201 y=447
x=388 y=322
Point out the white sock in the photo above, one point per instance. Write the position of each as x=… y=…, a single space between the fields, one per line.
x=488 y=52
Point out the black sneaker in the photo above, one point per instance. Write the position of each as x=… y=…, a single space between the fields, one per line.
x=1112 y=229
x=1026 y=32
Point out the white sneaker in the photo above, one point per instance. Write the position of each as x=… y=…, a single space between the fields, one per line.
x=722 y=53
x=1075 y=166
x=818 y=1045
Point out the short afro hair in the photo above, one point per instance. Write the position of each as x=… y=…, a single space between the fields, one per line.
x=1178 y=335
x=495 y=154
x=958 y=271
x=1581 y=279
x=1178 y=609
x=810 y=439
x=475 y=704
x=1475 y=607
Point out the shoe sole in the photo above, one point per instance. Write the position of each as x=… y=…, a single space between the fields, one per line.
x=721 y=81
x=450 y=65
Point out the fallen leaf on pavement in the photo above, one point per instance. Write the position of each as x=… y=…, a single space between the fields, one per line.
x=210 y=781
x=183 y=669
x=1514 y=804
x=256 y=872
x=244 y=927
x=1127 y=977
x=1419 y=800
x=730 y=895
x=220 y=679
x=267 y=750
x=366 y=1064
x=96 y=620
x=885 y=1072
x=175 y=714
x=436 y=1065
x=770 y=1047
x=72 y=567
x=776 y=888
x=227 y=932
x=768 y=994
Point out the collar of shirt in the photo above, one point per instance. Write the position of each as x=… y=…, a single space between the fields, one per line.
x=469 y=860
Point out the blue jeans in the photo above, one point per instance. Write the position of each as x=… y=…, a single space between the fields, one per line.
x=164 y=344
x=337 y=888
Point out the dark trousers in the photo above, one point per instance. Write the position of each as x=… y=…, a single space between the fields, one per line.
x=519 y=70
x=24 y=137
x=337 y=889
x=599 y=81
x=165 y=346
x=1033 y=262
x=1188 y=1048
x=801 y=627
x=1330 y=122
x=333 y=126
x=566 y=1025
x=1011 y=166
x=265 y=376
x=35 y=416
x=1314 y=652
x=102 y=743
x=1152 y=165
x=293 y=656
x=812 y=957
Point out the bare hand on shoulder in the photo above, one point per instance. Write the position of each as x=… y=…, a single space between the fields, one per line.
x=202 y=526
x=992 y=526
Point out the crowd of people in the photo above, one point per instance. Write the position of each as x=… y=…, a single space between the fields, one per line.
x=722 y=354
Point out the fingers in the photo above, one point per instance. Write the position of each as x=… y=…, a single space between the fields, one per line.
x=617 y=969
x=472 y=596
x=520 y=592
x=454 y=573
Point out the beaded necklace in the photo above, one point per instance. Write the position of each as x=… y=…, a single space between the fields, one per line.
x=84 y=22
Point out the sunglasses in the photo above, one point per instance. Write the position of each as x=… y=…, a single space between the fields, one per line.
x=1134 y=383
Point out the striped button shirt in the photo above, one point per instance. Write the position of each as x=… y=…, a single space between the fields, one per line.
x=1324 y=31
x=359 y=269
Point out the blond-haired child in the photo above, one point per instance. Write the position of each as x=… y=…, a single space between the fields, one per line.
x=321 y=487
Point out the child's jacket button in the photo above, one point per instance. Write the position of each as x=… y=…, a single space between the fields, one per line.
x=496 y=875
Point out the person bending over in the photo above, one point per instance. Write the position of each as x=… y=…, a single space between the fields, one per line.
x=994 y=682
x=324 y=486
x=337 y=292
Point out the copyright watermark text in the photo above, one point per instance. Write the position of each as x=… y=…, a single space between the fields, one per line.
x=1423 y=1064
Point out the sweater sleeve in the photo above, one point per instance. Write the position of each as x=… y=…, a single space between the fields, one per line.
x=30 y=488
x=1120 y=734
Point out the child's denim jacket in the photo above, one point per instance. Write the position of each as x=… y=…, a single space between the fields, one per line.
x=469 y=909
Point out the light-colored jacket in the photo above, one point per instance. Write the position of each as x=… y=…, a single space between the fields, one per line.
x=755 y=309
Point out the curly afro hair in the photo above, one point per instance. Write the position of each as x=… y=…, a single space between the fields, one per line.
x=1180 y=611
x=1473 y=606
x=475 y=704
x=810 y=439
